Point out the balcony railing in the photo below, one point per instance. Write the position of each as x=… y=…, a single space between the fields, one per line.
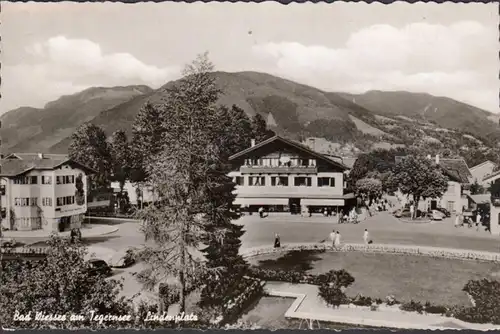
x=495 y=200
x=279 y=169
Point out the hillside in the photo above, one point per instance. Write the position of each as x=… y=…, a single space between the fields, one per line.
x=441 y=111
x=348 y=123
x=31 y=130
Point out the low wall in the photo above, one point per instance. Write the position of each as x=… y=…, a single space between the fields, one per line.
x=447 y=253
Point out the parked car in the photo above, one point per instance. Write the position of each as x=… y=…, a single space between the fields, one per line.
x=444 y=211
x=122 y=259
x=100 y=267
x=9 y=243
x=437 y=215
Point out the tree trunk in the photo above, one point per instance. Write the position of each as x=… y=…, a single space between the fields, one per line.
x=182 y=280
x=416 y=199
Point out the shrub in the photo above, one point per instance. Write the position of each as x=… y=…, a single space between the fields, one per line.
x=332 y=295
x=360 y=300
x=485 y=294
x=435 y=309
x=412 y=306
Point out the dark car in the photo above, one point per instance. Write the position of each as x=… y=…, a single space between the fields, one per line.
x=444 y=211
x=99 y=267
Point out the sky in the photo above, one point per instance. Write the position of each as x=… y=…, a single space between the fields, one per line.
x=55 y=49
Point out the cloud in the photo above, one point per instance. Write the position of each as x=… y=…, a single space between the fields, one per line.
x=62 y=66
x=459 y=61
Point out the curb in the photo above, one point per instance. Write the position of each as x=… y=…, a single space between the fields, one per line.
x=447 y=253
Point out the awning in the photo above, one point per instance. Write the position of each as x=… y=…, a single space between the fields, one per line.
x=322 y=202
x=260 y=201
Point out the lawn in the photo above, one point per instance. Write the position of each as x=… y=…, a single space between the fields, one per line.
x=437 y=280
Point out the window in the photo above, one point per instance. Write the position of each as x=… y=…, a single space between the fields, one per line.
x=303 y=162
x=47 y=201
x=239 y=180
x=65 y=179
x=256 y=181
x=279 y=181
x=303 y=181
x=326 y=182
x=46 y=179
x=26 y=180
x=67 y=200
x=255 y=162
x=25 y=201
x=2 y=190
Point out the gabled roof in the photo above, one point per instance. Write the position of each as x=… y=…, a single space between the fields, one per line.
x=16 y=167
x=456 y=169
x=482 y=164
x=32 y=156
x=293 y=144
x=495 y=174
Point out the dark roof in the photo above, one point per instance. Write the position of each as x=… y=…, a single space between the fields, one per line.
x=15 y=167
x=292 y=143
x=32 y=156
x=456 y=169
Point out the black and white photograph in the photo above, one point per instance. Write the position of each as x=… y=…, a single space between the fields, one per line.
x=249 y=166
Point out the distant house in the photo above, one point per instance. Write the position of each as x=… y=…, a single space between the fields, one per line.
x=483 y=171
x=490 y=179
x=131 y=190
x=41 y=191
x=283 y=175
x=458 y=175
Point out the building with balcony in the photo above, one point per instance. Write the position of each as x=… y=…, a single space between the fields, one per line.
x=282 y=175
x=42 y=192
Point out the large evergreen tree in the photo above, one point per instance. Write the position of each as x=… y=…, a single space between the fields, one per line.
x=89 y=147
x=190 y=177
x=235 y=130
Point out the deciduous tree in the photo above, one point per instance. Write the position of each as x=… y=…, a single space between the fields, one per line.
x=147 y=138
x=419 y=177
x=89 y=147
x=259 y=129
x=121 y=157
x=370 y=188
x=59 y=284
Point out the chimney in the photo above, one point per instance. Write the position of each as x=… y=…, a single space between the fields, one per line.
x=312 y=144
x=40 y=155
x=252 y=142
x=437 y=159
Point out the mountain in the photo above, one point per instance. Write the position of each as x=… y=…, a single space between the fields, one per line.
x=442 y=111
x=346 y=122
x=31 y=129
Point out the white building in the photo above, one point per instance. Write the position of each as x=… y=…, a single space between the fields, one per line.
x=452 y=200
x=40 y=191
x=483 y=172
x=282 y=175
x=146 y=196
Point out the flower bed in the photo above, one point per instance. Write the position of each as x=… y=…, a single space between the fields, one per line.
x=389 y=249
x=233 y=309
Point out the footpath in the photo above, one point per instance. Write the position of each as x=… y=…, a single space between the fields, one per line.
x=88 y=231
x=309 y=306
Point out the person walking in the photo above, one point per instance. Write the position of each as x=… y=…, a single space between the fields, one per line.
x=412 y=211
x=337 y=239
x=341 y=216
x=366 y=237
x=261 y=212
x=457 y=220
x=333 y=236
x=277 y=241
x=478 y=221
